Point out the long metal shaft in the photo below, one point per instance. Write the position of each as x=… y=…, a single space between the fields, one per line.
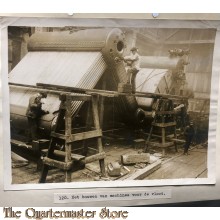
x=58 y=89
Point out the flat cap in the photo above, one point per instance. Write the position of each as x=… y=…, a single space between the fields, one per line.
x=134 y=48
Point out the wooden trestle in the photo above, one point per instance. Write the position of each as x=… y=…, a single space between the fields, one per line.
x=69 y=138
x=165 y=117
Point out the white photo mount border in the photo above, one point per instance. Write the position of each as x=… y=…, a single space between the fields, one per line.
x=129 y=23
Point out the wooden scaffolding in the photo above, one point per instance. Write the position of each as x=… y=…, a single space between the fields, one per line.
x=164 y=118
x=69 y=138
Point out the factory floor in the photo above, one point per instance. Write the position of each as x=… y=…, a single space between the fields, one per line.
x=193 y=165
x=174 y=165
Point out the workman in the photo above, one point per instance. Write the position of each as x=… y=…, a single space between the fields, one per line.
x=189 y=135
x=133 y=66
x=33 y=113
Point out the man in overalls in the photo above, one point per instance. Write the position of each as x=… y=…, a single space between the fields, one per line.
x=133 y=66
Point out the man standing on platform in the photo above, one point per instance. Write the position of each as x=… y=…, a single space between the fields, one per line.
x=133 y=66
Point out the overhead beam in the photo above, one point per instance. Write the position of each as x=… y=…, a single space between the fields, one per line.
x=189 y=42
x=147 y=37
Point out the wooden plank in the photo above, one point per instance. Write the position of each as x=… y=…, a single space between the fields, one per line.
x=177 y=140
x=135 y=158
x=102 y=101
x=80 y=98
x=143 y=173
x=104 y=94
x=164 y=125
x=21 y=144
x=167 y=138
x=165 y=112
x=58 y=135
x=95 y=157
x=97 y=126
x=85 y=135
x=162 y=145
x=17 y=158
x=59 y=164
x=68 y=130
x=75 y=96
x=74 y=157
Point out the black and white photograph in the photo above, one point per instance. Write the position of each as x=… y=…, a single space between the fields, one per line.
x=109 y=105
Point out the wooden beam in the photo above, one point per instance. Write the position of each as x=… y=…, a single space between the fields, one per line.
x=165 y=112
x=162 y=145
x=135 y=158
x=167 y=138
x=95 y=157
x=58 y=135
x=59 y=164
x=74 y=157
x=21 y=144
x=164 y=125
x=68 y=130
x=143 y=173
x=97 y=126
x=85 y=135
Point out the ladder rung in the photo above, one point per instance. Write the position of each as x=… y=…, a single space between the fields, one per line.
x=85 y=135
x=165 y=113
x=164 y=125
x=78 y=136
x=58 y=164
x=75 y=157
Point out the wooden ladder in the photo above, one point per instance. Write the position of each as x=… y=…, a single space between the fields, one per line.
x=68 y=138
x=163 y=108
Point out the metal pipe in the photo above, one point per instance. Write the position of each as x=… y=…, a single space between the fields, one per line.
x=155 y=62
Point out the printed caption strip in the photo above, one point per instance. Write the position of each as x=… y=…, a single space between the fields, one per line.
x=112 y=195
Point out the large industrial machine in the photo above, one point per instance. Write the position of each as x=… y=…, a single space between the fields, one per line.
x=86 y=63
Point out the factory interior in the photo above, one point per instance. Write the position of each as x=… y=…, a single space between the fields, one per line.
x=98 y=127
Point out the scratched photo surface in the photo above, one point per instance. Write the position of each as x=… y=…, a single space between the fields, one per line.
x=93 y=104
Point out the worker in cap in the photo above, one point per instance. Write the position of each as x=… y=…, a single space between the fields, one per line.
x=43 y=94
x=133 y=67
x=189 y=136
x=134 y=49
x=33 y=113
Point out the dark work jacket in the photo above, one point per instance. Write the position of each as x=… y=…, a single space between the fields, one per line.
x=34 y=108
x=189 y=132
